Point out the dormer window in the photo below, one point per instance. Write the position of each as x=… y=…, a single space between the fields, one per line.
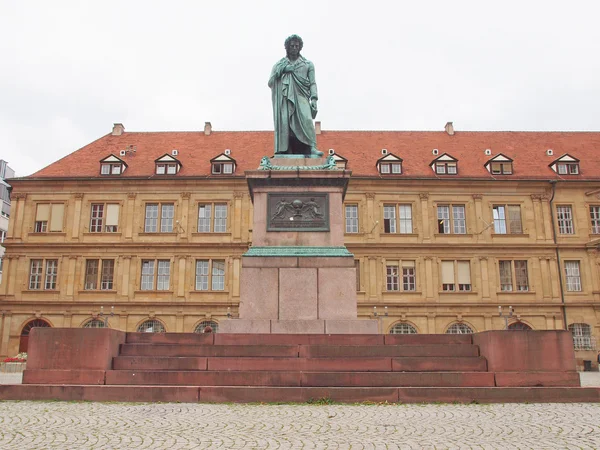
x=223 y=164
x=500 y=165
x=448 y=168
x=445 y=165
x=112 y=165
x=167 y=165
x=340 y=161
x=566 y=165
x=568 y=168
x=390 y=164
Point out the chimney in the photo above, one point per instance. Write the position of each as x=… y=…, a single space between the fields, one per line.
x=449 y=128
x=207 y=128
x=318 y=127
x=118 y=129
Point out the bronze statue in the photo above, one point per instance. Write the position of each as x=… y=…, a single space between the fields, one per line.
x=294 y=96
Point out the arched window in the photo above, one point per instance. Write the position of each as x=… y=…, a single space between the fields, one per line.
x=403 y=328
x=24 y=340
x=94 y=323
x=459 y=328
x=207 y=323
x=582 y=336
x=519 y=326
x=151 y=326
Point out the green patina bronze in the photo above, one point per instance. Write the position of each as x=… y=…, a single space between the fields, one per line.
x=266 y=164
x=298 y=251
x=294 y=96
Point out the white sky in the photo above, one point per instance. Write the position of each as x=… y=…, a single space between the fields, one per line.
x=70 y=69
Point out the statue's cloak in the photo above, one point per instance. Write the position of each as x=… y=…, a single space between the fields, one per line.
x=291 y=94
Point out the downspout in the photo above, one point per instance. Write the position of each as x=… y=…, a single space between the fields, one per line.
x=560 y=273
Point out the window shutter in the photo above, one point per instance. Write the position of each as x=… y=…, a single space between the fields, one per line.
x=447 y=272
x=408 y=264
x=514 y=217
x=58 y=212
x=112 y=214
x=43 y=212
x=464 y=272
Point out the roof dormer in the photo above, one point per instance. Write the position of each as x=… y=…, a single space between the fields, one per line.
x=445 y=164
x=223 y=164
x=167 y=165
x=112 y=165
x=340 y=161
x=499 y=165
x=389 y=164
x=565 y=165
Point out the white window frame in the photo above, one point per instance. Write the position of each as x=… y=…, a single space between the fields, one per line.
x=503 y=222
x=511 y=275
x=43 y=274
x=210 y=273
x=564 y=217
x=159 y=217
x=573 y=276
x=451 y=220
x=216 y=219
x=397 y=218
x=456 y=282
x=595 y=218
x=155 y=275
x=351 y=218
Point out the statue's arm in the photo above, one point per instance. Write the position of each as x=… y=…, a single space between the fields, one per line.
x=276 y=72
x=313 y=84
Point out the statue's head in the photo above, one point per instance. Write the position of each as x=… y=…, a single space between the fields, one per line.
x=294 y=44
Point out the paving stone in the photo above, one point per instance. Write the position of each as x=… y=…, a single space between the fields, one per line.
x=70 y=425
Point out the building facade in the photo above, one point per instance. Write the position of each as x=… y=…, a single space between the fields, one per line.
x=147 y=230
x=5 y=172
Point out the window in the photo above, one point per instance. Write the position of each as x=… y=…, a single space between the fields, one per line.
x=166 y=168
x=573 y=276
x=49 y=217
x=582 y=336
x=393 y=271
x=455 y=224
x=501 y=168
x=99 y=279
x=567 y=168
x=222 y=168
x=351 y=218
x=2 y=235
x=459 y=328
x=219 y=224
x=153 y=280
x=111 y=169
x=393 y=168
x=39 y=277
x=595 y=218
x=519 y=326
x=456 y=275
x=403 y=328
x=104 y=218
x=153 y=222
x=448 y=168
x=507 y=219
x=513 y=270
x=403 y=225
x=205 y=276
x=207 y=323
x=94 y=323
x=564 y=214
x=151 y=326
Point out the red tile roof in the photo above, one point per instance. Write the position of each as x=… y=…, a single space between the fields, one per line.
x=362 y=149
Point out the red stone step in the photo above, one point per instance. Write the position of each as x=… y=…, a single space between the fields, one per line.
x=203 y=378
x=61 y=376
x=208 y=350
x=445 y=364
x=302 y=364
x=351 y=351
x=424 y=339
x=302 y=339
x=159 y=363
x=296 y=379
x=170 y=338
x=546 y=379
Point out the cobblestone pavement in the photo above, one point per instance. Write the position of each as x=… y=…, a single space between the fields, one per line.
x=173 y=426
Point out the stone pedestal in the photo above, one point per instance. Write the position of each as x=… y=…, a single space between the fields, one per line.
x=298 y=277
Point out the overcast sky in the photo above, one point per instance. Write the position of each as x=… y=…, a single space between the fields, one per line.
x=70 y=69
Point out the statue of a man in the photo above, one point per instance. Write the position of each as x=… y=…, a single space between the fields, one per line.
x=294 y=95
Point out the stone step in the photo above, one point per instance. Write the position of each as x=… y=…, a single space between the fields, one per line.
x=300 y=339
x=306 y=351
x=242 y=394
x=170 y=338
x=429 y=351
x=404 y=364
x=301 y=364
x=208 y=350
x=422 y=339
x=297 y=379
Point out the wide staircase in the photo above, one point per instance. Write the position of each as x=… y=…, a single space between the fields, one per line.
x=304 y=368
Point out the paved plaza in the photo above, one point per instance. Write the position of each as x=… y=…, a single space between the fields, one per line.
x=64 y=425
